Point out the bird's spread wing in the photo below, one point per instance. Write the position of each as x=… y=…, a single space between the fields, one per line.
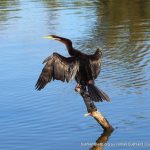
x=95 y=63
x=59 y=68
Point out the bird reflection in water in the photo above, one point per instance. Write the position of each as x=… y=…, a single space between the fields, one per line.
x=100 y=142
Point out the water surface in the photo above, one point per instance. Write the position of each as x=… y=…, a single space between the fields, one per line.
x=53 y=118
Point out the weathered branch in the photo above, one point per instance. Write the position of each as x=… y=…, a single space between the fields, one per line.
x=92 y=110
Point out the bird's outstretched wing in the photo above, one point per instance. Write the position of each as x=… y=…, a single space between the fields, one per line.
x=59 y=68
x=95 y=63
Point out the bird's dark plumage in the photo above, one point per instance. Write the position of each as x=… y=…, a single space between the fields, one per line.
x=84 y=68
x=57 y=68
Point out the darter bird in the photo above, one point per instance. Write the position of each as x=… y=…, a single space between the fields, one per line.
x=79 y=66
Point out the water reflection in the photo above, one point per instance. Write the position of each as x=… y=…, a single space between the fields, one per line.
x=100 y=142
x=8 y=10
x=125 y=39
x=60 y=13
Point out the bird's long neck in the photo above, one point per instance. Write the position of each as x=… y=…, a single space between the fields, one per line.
x=69 y=47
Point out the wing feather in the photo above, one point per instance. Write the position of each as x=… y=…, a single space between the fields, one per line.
x=57 y=67
x=95 y=63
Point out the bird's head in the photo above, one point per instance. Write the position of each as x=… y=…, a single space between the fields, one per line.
x=58 y=38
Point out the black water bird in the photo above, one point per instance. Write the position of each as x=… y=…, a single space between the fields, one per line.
x=81 y=67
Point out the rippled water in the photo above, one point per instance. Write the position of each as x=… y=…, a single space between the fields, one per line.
x=53 y=118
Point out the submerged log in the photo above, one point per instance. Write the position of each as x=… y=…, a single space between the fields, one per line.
x=92 y=110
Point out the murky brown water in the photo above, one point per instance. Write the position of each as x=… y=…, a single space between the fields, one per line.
x=40 y=120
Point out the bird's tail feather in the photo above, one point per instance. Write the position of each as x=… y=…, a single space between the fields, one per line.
x=97 y=94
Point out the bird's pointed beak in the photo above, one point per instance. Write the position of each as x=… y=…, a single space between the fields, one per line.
x=51 y=37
